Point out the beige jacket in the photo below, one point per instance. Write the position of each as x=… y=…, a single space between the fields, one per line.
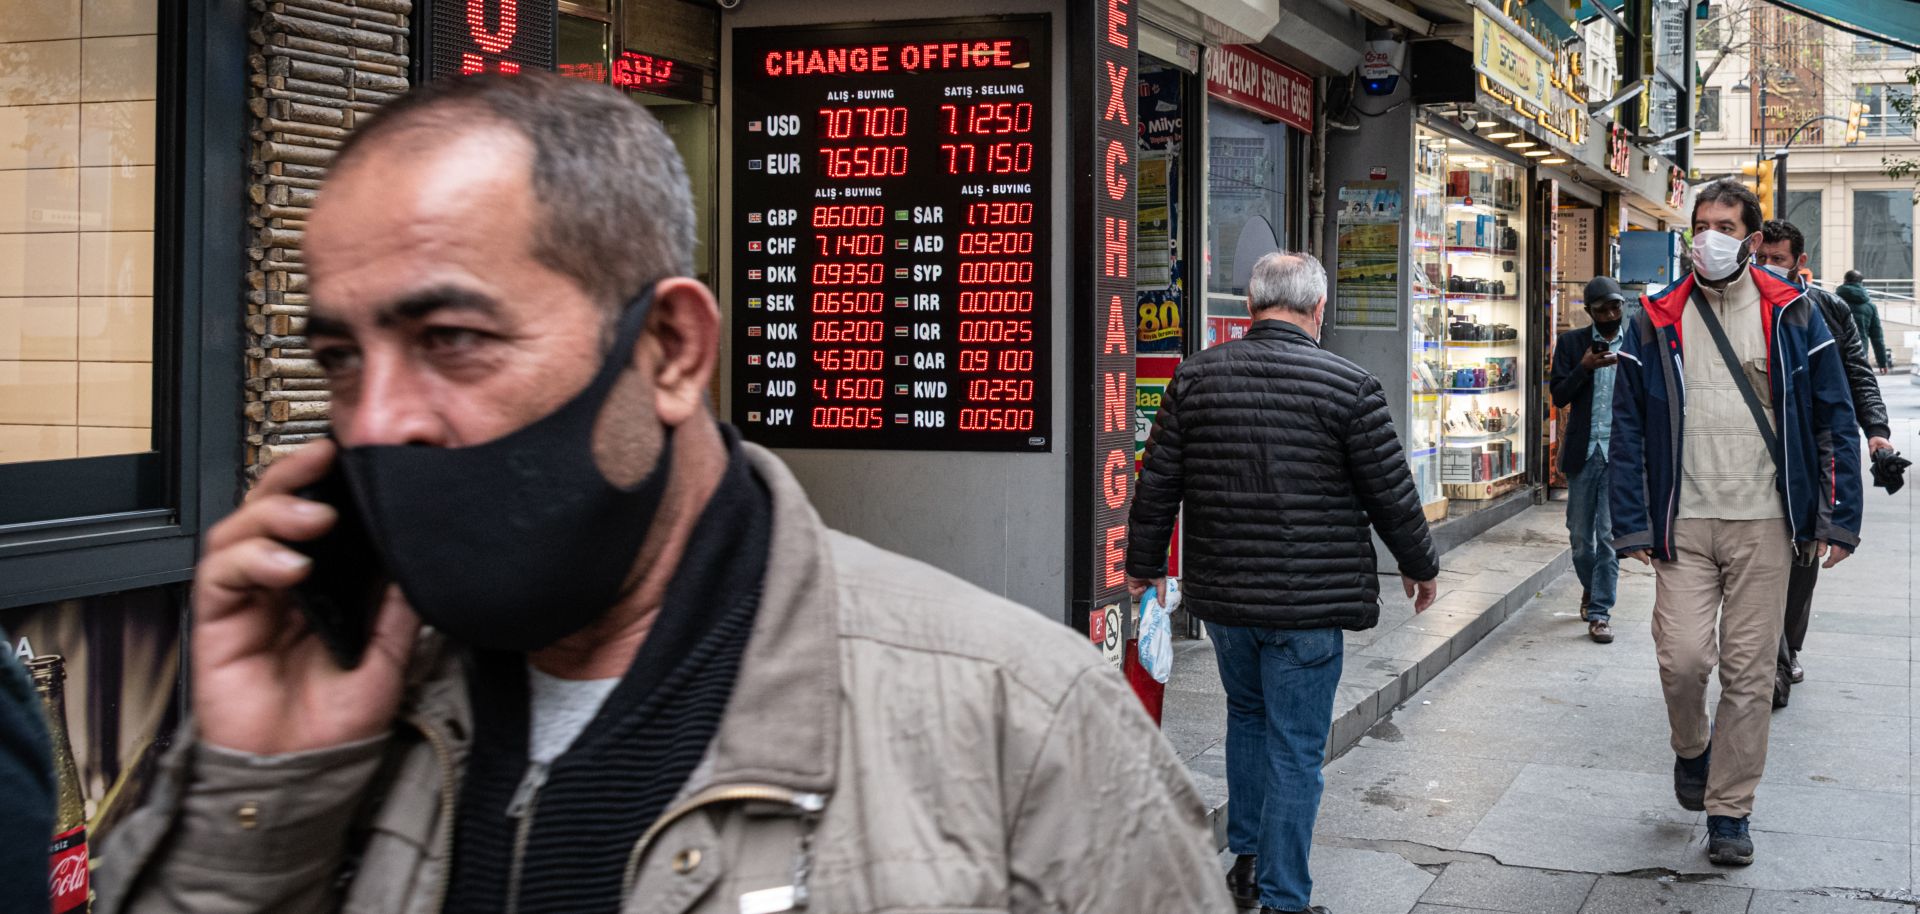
x=897 y=741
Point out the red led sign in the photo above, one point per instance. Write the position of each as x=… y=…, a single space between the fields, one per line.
x=490 y=36
x=890 y=268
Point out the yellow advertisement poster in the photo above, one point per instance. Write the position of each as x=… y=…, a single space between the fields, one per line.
x=1500 y=56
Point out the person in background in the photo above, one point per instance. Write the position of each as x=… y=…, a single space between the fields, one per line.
x=1866 y=317
x=1782 y=251
x=1720 y=477
x=26 y=791
x=1284 y=455
x=1582 y=383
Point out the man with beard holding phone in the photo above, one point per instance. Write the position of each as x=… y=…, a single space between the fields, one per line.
x=1582 y=383
x=1734 y=449
x=652 y=680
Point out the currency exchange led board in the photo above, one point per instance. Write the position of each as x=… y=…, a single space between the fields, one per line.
x=891 y=278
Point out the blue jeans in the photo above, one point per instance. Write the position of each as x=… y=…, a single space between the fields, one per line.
x=1590 y=522
x=1280 y=687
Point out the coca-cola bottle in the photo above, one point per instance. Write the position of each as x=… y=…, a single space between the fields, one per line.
x=67 y=880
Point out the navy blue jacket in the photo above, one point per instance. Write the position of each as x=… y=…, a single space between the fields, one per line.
x=1572 y=385
x=1819 y=476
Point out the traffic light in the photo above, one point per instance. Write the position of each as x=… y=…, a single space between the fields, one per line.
x=1764 y=186
x=1763 y=179
x=1855 y=112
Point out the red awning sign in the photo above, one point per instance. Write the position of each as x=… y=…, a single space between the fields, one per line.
x=1258 y=83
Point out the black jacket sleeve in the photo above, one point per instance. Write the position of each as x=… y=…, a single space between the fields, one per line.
x=26 y=791
x=1378 y=470
x=1867 y=405
x=1156 y=503
x=1570 y=380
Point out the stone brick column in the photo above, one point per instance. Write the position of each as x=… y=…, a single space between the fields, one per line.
x=316 y=68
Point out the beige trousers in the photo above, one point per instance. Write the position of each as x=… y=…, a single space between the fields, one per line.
x=1721 y=601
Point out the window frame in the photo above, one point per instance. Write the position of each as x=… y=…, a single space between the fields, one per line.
x=146 y=528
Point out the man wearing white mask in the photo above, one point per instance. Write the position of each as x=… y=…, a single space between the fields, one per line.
x=1734 y=449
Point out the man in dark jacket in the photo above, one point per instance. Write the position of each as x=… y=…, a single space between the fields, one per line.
x=1782 y=251
x=26 y=790
x=1284 y=454
x=1734 y=448
x=1865 y=316
x=1582 y=383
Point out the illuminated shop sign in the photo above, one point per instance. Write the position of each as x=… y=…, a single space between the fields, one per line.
x=892 y=280
x=1541 y=93
x=653 y=74
x=491 y=36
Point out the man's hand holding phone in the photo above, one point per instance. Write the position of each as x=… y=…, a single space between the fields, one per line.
x=1598 y=357
x=263 y=681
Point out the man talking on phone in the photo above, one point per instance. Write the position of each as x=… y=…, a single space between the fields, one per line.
x=650 y=679
x=1582 y=383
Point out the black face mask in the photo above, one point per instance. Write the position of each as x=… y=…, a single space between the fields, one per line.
x=521 y=541
x=1607 y=328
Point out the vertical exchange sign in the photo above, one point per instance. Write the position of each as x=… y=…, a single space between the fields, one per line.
x=1113 y=59
x=490 y=36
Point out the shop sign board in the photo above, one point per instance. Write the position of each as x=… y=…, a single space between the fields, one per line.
x=1113 y=308
x=1499 y=55
x=895 y=263
x=490 y=36
x=1252 y=80
x=653 y=74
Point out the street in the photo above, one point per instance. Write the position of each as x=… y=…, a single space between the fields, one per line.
x=1533 y=776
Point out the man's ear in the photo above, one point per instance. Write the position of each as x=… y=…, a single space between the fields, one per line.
x=684 y=329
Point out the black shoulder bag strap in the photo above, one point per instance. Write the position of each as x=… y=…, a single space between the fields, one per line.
x=1759 y=412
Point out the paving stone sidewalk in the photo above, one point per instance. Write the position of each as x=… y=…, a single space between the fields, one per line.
x=1533 y=775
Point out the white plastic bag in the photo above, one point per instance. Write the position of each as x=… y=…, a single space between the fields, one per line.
x=1156 y=631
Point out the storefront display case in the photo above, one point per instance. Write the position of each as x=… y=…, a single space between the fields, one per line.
x=1469 y=317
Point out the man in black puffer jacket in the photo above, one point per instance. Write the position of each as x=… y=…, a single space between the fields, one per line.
x=1284 y=454
x=1783 y=249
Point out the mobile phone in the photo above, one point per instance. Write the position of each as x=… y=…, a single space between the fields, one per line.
x=1601 y=347
x=341 y=594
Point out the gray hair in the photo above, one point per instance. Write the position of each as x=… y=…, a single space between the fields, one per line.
x=616 y=211
x=1288 y=280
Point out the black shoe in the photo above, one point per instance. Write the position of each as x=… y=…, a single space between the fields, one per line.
x=1782 y=686
x=1316 y=909
x=1690 y=780
x=1244 y=883
x=1728 y=843
x=1586 y=600
x=1797 y=672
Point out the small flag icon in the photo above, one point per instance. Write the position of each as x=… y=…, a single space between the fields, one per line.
x=753 y=388
x=900 y=273
x=899 y=301
x=753 y=331
x=900 y=244
x=753 y=359
x=753 y=164
x=753 y=246
x=753 y=218
x=753 y=126
x=753 y=415
x=753 y=303
x=900 y=331
x=755 y=274
x=900 y=360
x=900 y=390
x=899 y=215
x=899 y=418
